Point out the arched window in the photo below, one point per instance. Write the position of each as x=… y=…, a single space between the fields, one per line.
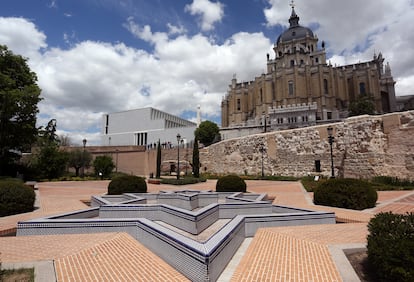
x=362 y=89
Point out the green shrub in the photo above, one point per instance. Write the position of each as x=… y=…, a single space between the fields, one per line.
x=391 y=246
x=346 y=193
x=392 y=183
x=310 y=184
x=15 y=197
x=127 y=184
x=230 y=183
x=182 y=181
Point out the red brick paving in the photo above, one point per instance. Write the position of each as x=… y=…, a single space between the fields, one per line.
x=276 y=254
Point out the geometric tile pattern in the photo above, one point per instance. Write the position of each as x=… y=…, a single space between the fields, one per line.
x=192 y=211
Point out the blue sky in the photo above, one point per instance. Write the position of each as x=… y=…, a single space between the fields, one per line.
x=99 y=56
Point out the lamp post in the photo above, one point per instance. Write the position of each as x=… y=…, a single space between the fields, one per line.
x=331 y=139
x=178 y=155
x=83 y=157
x=262 y=150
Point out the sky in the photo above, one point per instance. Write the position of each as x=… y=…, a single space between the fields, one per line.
x=94 y=57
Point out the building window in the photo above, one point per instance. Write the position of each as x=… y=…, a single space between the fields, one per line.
x=238 y=105
x=325 y=86
x=317 y=60
x=261 y=95
x=329 y=115
x=291 y=89
x=106 y=124
x=362 y=89
x=292 y=63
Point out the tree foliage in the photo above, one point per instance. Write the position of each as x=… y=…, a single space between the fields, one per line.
x=231 y=183
x=207 y=133
x=363 y=105
x=15 y=197
x=196 y=159
x=78 y=159
x=19 y=96
x=346 y=193
x=104 y=165
x=49 y=162
x=158 y=171
x=127 y=184
x=391 y=246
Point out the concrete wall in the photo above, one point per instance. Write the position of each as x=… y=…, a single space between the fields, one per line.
x=364 y=147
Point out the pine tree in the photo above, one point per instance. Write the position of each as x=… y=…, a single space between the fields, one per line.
x=196 y=159
x=158 y=172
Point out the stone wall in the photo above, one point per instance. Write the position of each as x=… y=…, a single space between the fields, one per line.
x=364 y=147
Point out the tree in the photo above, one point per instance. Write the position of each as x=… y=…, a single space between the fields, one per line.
x=207 y=133
x=196 y=159
x=65 y=140
x=104 y=165
x=79 y=159
x=50 y=162
x=363 y=105
x=19 y=96
x=158 y=172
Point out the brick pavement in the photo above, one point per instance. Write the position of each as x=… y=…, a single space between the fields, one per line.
x=284 y=252
x=121 y=258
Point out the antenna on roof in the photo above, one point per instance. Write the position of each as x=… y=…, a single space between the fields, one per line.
x=292 y=4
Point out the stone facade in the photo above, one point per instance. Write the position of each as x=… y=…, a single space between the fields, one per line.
x=299 y=74
x=364 y=147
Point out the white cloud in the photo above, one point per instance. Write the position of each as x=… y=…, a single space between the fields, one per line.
x=22 y=37
x=209 y=12
x=172 y=29
x=92 y=78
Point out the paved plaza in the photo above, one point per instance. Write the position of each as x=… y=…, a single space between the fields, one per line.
x=294 y=253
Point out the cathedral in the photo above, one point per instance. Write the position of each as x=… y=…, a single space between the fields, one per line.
x=301 y=89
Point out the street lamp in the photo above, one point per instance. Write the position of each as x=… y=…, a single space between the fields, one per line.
x=331 y=139
x=83 y=157
x=178 y=155
x=262 y=150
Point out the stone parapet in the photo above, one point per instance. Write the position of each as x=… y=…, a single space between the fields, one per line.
x=364 y=147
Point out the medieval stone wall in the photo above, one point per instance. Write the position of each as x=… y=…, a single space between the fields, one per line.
x=364 y=147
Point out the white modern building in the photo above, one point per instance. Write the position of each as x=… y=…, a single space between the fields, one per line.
x=144 y=127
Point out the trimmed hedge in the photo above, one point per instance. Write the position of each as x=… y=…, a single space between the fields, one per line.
x=127 y=184
x=182 y=181
x=15 y=197
x=391 y=246
x=346 y=193
x=230 y=183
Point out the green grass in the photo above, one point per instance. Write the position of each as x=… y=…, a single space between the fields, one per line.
x=380 y=183
x=182 y=180
x=21 y=275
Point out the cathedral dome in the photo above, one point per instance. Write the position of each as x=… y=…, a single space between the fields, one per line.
x=295 y=31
